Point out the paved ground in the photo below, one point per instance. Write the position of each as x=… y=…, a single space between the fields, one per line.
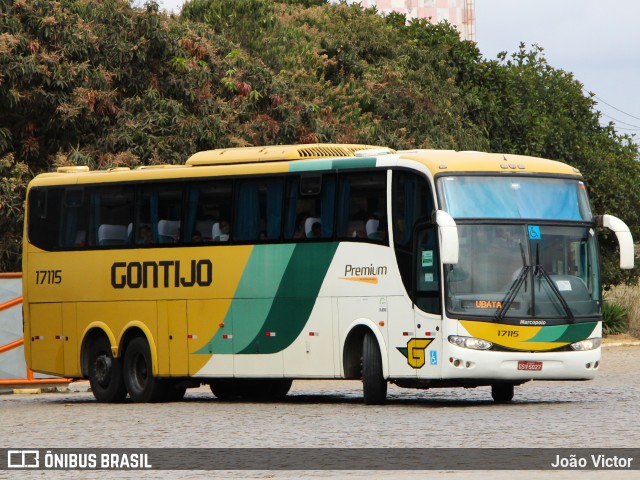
x=600 y=413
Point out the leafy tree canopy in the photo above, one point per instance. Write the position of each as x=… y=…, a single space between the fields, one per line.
x=100 y=83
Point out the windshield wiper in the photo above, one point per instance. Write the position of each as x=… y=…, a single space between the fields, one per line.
x=540 y=272
x=514 y=288
x=512 y=293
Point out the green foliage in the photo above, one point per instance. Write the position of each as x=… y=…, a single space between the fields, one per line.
x=614 y=318
x=99 y=83
x=305 y=3
x=14 y=177
x=244 y=21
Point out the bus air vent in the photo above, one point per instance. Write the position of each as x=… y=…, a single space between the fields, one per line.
x=278 y=153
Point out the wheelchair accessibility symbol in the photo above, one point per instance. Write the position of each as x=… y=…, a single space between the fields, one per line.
x=433 y=357
x=534 y=232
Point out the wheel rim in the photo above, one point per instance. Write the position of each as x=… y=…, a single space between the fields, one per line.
x=102 y=368
x=140 y=371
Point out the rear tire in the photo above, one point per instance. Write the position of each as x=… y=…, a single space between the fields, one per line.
x=374 y=386
x=173 y=392
x=105 y=373
x=224 y=389
x=502 y=392
x=138 y=373
x=267 y=389
x=280 y=388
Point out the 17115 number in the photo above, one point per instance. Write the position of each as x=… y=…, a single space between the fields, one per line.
x=48 y=277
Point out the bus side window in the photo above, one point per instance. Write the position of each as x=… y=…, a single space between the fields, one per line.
x=271 y=208
x=209 y=211
x=111 y=211
x=44 y=226
x=310 y=207
x=362 y=206
x=246 y=226
x=159 y=202
x=75 y=218
x=259 y=208
x=296 y=212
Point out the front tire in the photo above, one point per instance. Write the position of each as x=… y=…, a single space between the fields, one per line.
x=374 y=386
x=105 y=373
x=142 y=386
x=502 y=392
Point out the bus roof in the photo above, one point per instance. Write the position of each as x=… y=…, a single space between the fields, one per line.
x=286 y=158
x=275 y=153
x=450 y=161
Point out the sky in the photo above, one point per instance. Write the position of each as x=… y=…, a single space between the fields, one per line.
x=596 y=40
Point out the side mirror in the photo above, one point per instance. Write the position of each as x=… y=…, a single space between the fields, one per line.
x=448 y=233
x=625 y=240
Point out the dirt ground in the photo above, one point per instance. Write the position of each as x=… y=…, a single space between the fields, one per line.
x=620 y=338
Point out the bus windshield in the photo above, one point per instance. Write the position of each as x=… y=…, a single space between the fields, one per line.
x=540 y=198
x=520 y=271
x=513 y=263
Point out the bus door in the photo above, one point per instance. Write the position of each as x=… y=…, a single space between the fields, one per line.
x=427 y=304
x=415 y=241
x=415 y=325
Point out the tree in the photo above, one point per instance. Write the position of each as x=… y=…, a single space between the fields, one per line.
x=99 y=83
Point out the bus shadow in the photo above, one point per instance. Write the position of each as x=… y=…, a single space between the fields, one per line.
x=341 y=399
x=428 y=399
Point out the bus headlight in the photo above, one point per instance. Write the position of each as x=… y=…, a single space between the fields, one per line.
x=588 y=344
x=470 y=342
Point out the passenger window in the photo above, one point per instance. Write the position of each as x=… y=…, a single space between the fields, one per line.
x=209 y=211
x=310 y=207
x=258 y=215
x=45 y=207
x=362 y=209
x=158 y=219
x=111 y=215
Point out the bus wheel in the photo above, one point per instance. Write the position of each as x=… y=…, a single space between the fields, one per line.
x=280 y=388
x=502 y=392
x=225 y=388
x=138 y=373
x=173 y=392
x=105 y=373
x=267 y=389
x=374 y=385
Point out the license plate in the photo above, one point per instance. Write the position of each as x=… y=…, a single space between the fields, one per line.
x=531 y=366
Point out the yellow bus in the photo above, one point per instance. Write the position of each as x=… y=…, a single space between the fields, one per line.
x=245 y=269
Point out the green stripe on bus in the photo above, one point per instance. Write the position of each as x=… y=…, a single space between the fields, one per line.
x=564 y=333
x=361 y=162
x=335 y=164
x=577 y=332
x=295 y=299
x=310 y=165
x=274 y=298
x=253 y=298
x=258 y=287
